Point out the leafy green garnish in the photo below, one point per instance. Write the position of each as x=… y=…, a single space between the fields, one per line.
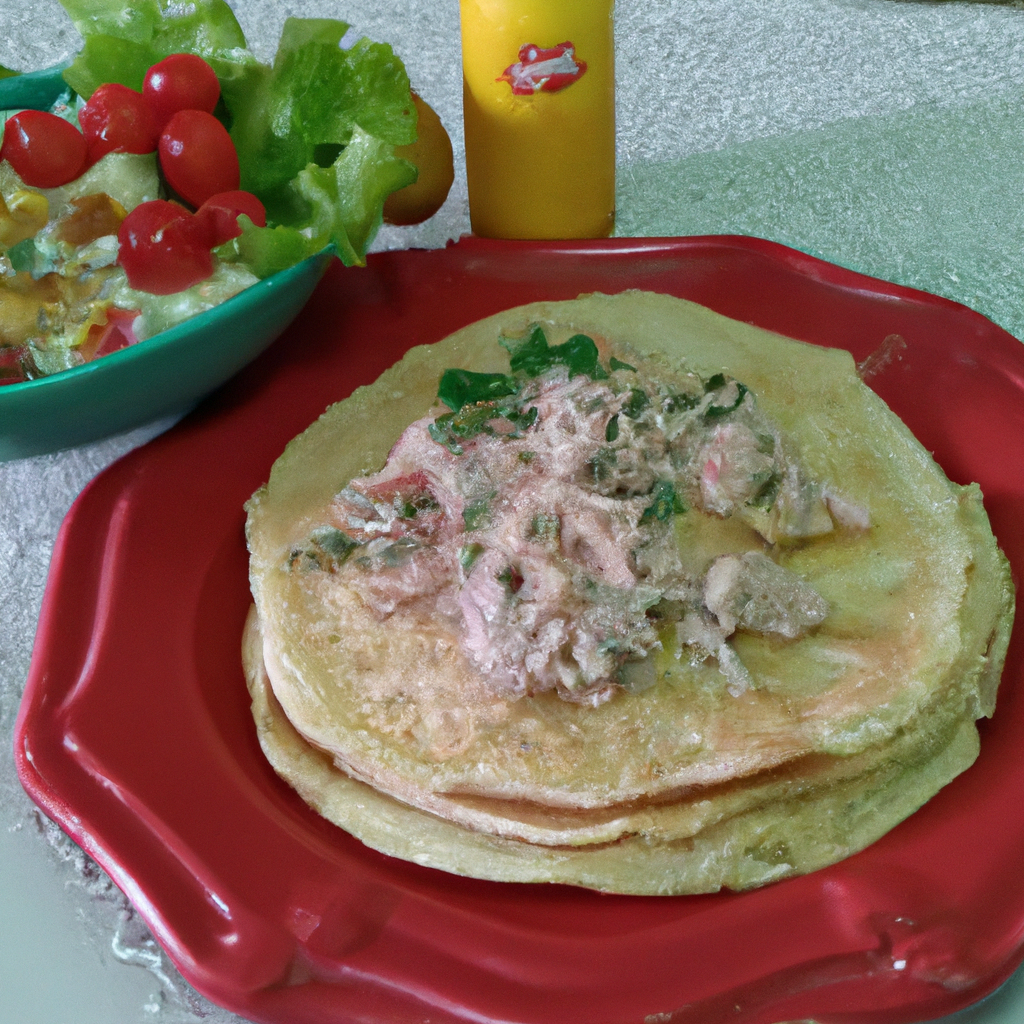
x=665 y=503
x=477 y=514
x=611 y=430
x=767 y=492
x=545 y=526
x=328 y=549
x=618 y=364
x=603 y=464
x=468 y=554
x=409 y=508
x=531 y=354
x=681 y=402
x=452 y=428
x=635 y=404
x=717 y=383
x=461 y=387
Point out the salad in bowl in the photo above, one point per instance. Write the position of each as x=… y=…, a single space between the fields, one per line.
x=165 y=175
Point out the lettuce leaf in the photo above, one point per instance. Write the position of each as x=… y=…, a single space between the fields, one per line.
x=342 y=206
x=315 y=131
x=311 y=99
x=121 y=42
x=347 y=198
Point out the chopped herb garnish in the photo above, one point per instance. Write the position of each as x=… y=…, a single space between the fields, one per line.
x=545 y=526
x=768 y=491
x=328 y=549
x=618 y=364
x=523 y=419
x=532 y=355
x=611 y=431
x=468 y=554
x=716 y=410
x=334 y=543
x=529 y=354
x=635 y=404
x=679 y=403
x=451 y=428
x=665 y=504
x=464 y=387
x=477 y=514
x=579 y=354
x=409 y=508
x=526 y=457
x=603 y=463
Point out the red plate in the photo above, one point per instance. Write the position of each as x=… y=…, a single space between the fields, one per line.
x=135 y=732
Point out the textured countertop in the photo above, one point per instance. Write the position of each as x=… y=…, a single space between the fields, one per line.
x=884 y=136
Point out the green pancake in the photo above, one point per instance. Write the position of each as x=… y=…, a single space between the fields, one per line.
x=384 y=726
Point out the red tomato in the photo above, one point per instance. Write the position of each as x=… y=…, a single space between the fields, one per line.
x=197 y=156
x=118 y=119
x=163 y=248
x=44 y=149
x=181 y=81
x=219 y=215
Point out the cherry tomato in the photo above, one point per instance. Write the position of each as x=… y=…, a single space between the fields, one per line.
x=118 y=119
x=219 y=215
x=197 y=156
x=44 y=149
x=181 y=81
x=163 y=248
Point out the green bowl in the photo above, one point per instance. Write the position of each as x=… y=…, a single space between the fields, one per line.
x=158 y=377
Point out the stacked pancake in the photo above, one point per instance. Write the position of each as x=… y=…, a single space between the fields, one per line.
x=686 y=784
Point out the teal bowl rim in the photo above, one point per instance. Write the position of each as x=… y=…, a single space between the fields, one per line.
x=173 y=335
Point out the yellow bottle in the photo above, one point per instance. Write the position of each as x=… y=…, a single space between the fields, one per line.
x=539 y=109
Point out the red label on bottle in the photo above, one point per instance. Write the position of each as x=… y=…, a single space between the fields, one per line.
x=543 y=70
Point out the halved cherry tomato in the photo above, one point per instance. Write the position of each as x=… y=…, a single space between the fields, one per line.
x=44 y=149
x=115 y=334
x=219 y=215
x=197 y=156
x=181 y=81
x=163 y=248
x=118 y=119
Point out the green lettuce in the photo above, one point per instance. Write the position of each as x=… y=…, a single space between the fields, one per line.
x=122 y=42
x=315 y=131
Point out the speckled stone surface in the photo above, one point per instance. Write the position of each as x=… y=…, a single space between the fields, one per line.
x=882 y=135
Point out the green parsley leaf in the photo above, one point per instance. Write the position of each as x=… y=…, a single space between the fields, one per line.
x=532 y=355
x=715 y=410
x=665 y=504
x=635 y=404
x=464 y=387
x=468 y=554
x=477 y=514
x=768 y=491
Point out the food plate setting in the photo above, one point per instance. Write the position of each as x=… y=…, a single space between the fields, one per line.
x=274 y=913
x=843 y=174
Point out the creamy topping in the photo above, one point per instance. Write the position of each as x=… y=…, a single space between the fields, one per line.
x=535 y=513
